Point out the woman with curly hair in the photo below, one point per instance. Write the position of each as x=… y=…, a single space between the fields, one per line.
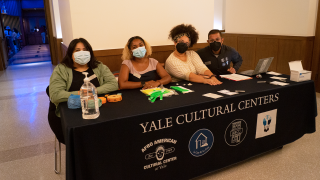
x=137 y=69
x=187 y=65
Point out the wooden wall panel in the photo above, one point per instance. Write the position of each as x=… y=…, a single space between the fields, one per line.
x=267 y=47
x=161 y=56
x=315 y=64
x=307 y=54
x=282 y=48
x=3 y=54
x=113 y=62
x=107 y=52
x=198 y=46
x=289 y=50
x=54 y=59
x=59 y=51
x=230 y=40
x=52 y=40
x=110 y=57
x=64 y=49
x=247 y=49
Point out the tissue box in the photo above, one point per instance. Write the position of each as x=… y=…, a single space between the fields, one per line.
x=297 y=73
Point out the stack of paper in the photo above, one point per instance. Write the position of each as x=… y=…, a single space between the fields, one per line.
x=279 y=83
x=273 y=73
x=235 y=77
x=227 y=92
x=280 y=78
x=212 y=95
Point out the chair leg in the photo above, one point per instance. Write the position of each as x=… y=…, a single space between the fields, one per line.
x=56 y=158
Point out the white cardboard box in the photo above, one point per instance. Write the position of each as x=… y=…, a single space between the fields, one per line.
x=298 y=74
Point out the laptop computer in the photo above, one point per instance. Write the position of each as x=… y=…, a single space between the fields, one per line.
x=262 y=67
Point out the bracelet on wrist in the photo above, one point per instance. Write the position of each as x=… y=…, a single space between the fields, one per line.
x=159 y=82
x=209 y=77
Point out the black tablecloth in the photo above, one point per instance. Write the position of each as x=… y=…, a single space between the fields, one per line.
x=187 y=135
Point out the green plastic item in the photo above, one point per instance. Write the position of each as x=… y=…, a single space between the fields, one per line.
x=178 y=89
x=157 y=93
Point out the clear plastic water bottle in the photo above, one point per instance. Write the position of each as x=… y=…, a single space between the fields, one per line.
x=89 y=99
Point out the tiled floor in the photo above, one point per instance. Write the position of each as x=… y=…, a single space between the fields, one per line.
x=27 y=142
x=32 y=53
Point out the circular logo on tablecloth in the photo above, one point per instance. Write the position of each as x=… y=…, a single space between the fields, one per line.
x=201 y=142
x=236 y=132
x=160 y=153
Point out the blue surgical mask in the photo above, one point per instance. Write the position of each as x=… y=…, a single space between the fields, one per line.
x=82 y=57
x=139 y=52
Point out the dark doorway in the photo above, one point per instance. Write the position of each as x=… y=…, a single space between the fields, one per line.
x=26 y=18
x=34 y=24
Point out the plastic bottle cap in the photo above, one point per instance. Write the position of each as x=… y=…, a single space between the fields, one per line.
x=86 y=79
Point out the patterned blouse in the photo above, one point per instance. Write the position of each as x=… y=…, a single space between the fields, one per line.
x=180 y=70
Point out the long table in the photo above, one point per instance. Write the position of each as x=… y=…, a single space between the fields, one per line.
x=186 y=135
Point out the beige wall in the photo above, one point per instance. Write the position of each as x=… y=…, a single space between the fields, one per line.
x=66 y=21
x=218 y=14
x=56 y=18
x=109 y=24
x=52 y=19
x=273 y=17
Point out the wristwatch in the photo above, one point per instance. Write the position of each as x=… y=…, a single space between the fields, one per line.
x=143 y=83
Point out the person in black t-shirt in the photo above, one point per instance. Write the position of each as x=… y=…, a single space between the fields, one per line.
x=218 y=56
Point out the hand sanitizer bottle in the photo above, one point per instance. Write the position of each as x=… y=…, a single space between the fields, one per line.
x=89 y=99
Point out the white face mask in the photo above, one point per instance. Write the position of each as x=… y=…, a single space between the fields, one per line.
x=82 y=57
x=139 y=52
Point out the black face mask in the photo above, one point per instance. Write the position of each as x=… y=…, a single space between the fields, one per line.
x=182 y=47
x=215 y=46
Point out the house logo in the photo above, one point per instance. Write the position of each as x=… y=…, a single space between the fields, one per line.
x=266 y=123
x=236 y=132
x=201 y=142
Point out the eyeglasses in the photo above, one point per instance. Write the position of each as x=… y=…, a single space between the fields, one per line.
x=213 y=40
x=181 y=41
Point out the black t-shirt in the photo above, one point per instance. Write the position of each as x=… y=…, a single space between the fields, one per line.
x=219 y=65
x=77 y=80
x=148 y=76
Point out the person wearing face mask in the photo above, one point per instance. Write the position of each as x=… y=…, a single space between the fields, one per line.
x=138 y=70
x=67 y=79
x=218 y=56
x=187 y=65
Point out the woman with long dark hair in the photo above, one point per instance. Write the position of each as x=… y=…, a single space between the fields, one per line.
x=67 y=79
